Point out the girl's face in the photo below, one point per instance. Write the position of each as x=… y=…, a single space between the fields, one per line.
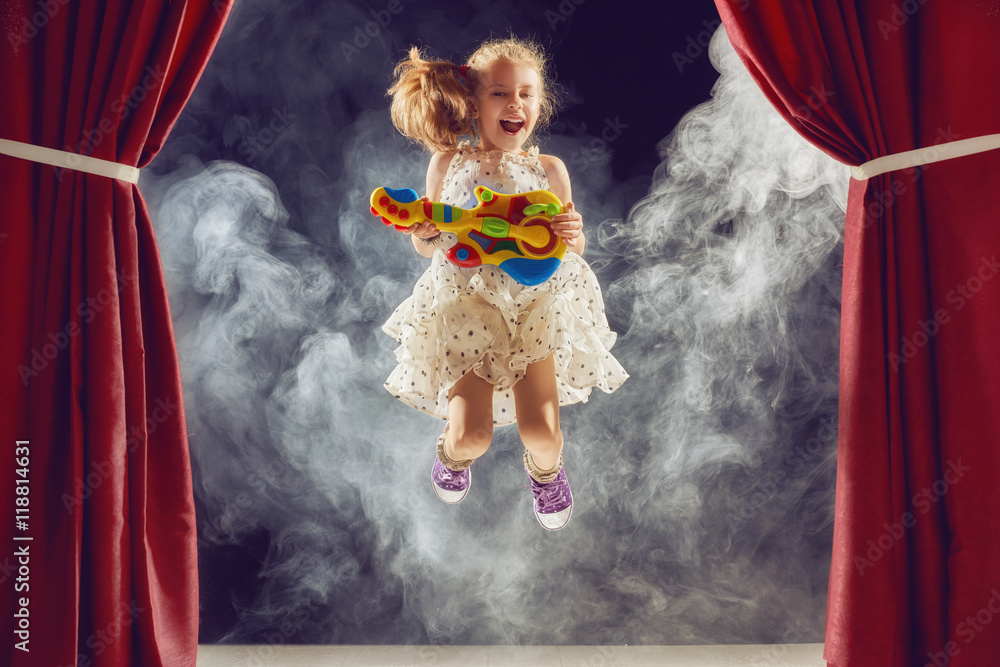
x=506 y=105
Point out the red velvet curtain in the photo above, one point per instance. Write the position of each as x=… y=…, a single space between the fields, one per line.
x=94 y=446
x=915 y=577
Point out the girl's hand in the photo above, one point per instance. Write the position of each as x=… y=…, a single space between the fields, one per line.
x=569 y=226
x=424 y=230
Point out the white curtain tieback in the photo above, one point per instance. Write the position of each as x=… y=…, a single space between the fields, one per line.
x=65 y=160
x=921 y=156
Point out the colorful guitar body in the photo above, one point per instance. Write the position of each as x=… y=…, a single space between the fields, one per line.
x=513 y=232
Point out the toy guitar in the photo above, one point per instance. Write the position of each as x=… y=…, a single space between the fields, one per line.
x=513 y=232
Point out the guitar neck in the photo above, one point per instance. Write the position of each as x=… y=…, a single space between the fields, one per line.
x=406 y=210
x=445 y=217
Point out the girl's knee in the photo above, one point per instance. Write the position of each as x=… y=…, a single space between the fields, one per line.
x=469 y=442
x=541 y=436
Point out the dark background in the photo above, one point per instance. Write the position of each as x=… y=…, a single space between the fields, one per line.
x=724 y=401
x=637 y=66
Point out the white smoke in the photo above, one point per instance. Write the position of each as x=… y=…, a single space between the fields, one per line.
x=704 y=487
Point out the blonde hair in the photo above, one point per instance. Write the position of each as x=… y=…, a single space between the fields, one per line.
x=430 y=98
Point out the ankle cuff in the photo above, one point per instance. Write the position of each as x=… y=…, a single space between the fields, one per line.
x=457 y=466
x=538 y=474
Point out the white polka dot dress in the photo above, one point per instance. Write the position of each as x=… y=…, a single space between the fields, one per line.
x=480 y=320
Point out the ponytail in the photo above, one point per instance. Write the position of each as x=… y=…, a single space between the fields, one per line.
x=430 y=102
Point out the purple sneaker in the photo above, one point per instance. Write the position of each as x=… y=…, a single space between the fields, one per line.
x=450 y=486
x=553 y=501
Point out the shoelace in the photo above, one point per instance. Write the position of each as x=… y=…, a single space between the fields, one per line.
x=549 y=494
x=449 y=476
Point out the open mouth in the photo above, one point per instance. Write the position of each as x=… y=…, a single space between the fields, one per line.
x=512 y=126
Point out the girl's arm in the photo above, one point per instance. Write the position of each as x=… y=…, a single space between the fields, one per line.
x=568 y=225
x=435 y=177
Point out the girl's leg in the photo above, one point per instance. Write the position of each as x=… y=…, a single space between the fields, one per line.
x=470 y=418
x=536 y=399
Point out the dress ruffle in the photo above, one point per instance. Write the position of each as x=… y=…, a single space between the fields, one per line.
x=480 y=320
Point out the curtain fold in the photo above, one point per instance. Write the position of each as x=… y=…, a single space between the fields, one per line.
x=91 y=387
x=915 y=575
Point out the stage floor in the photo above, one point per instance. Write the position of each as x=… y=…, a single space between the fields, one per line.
x=773 y=655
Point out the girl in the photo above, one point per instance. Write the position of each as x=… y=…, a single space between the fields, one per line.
x=476 y=347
